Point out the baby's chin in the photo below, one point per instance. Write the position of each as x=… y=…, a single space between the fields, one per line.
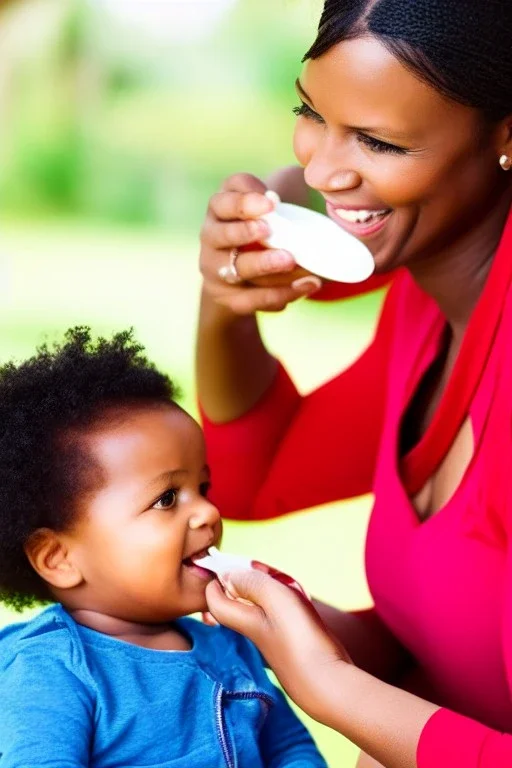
x=193 y=607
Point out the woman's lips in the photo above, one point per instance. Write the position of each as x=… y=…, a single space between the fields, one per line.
x=359 y=229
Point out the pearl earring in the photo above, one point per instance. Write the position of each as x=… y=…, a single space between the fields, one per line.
x=505 y=162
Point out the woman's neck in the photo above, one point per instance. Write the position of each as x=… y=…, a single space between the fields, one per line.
x=456 y=276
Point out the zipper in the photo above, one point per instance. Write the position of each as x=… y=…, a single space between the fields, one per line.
x=269 y=701
x=221 y=727
x=219 y=694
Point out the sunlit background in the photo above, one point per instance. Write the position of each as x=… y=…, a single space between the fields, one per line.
x=118 y=119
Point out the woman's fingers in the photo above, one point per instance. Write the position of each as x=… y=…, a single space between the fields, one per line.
x=286 y=629
x=251 y=620
x=253 y=264
x=269 y=278
x=243 y=182
x=277 y=609
x=248 y=300
x=231 y=206
x=267 y=595
x=234 y=234
x=247 y=619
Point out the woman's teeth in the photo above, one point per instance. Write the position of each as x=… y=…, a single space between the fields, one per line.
x=360 y=217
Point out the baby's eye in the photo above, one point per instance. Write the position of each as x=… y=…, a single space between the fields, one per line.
x=204 y=488
x=168 y=500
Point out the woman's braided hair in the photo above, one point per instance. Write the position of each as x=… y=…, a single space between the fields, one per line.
x=463 y=48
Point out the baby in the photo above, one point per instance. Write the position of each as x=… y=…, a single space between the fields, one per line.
x=103 y=511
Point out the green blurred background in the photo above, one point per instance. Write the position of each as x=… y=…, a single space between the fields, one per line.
x=119 y=118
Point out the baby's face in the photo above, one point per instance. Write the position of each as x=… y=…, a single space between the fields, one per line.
x=136 y=533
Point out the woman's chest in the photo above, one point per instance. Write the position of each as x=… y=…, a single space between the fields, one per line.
x=441 y=588
x=440 y=584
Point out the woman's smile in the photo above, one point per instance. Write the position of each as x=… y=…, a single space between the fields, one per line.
x=361 y=222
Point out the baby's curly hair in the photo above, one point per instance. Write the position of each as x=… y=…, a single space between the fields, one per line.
x=57 y=393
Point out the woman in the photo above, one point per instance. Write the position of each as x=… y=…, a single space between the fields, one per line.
x=406 y=119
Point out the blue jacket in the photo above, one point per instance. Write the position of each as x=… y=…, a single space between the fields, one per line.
x=71 y=697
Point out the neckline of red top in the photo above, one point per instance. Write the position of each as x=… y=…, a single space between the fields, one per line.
x=423 y=460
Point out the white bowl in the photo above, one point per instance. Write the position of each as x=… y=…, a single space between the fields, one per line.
x=317 y=243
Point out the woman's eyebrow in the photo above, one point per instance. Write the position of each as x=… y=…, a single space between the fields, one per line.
x=381 y=131
x=384 y=132
x=303 y=93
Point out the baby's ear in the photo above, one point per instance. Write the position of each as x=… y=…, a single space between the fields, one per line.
x=51 y=557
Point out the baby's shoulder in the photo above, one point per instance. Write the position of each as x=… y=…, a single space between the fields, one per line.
x=48 y=637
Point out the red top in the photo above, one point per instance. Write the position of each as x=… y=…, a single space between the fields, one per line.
x=443 y=586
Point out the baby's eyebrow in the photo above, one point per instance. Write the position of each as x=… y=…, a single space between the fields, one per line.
x=175 y=476
x=170 y=476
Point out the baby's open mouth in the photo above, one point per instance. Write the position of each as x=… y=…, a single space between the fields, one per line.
x=197 y=570
x=197 y=556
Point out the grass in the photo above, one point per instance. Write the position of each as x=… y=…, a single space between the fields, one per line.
x=57 y=274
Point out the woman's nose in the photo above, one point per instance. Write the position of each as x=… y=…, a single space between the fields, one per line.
x=203 y=514
x=329 y=178
x=329 y=166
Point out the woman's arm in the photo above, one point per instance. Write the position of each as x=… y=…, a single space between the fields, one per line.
x=367 y=640
x=289 y=452
x=396 y=728
x=233 y=367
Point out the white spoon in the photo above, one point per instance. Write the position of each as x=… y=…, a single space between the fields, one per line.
x=222 y=562
x=317 y=243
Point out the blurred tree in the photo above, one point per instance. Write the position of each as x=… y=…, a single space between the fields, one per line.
x=99 y=120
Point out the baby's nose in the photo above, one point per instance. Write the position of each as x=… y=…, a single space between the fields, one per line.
x=204 y=514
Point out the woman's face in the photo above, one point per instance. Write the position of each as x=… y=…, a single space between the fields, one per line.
x=400 y=166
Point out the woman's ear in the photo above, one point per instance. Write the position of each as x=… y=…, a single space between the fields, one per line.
x=51 y=557
x=504 y=143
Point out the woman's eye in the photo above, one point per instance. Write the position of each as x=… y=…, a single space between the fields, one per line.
x=376 y=145
x=204 y=489
x=304 y=110
x=168 y=500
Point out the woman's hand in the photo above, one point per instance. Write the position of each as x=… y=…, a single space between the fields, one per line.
x=270 y=279
x=286 y=629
